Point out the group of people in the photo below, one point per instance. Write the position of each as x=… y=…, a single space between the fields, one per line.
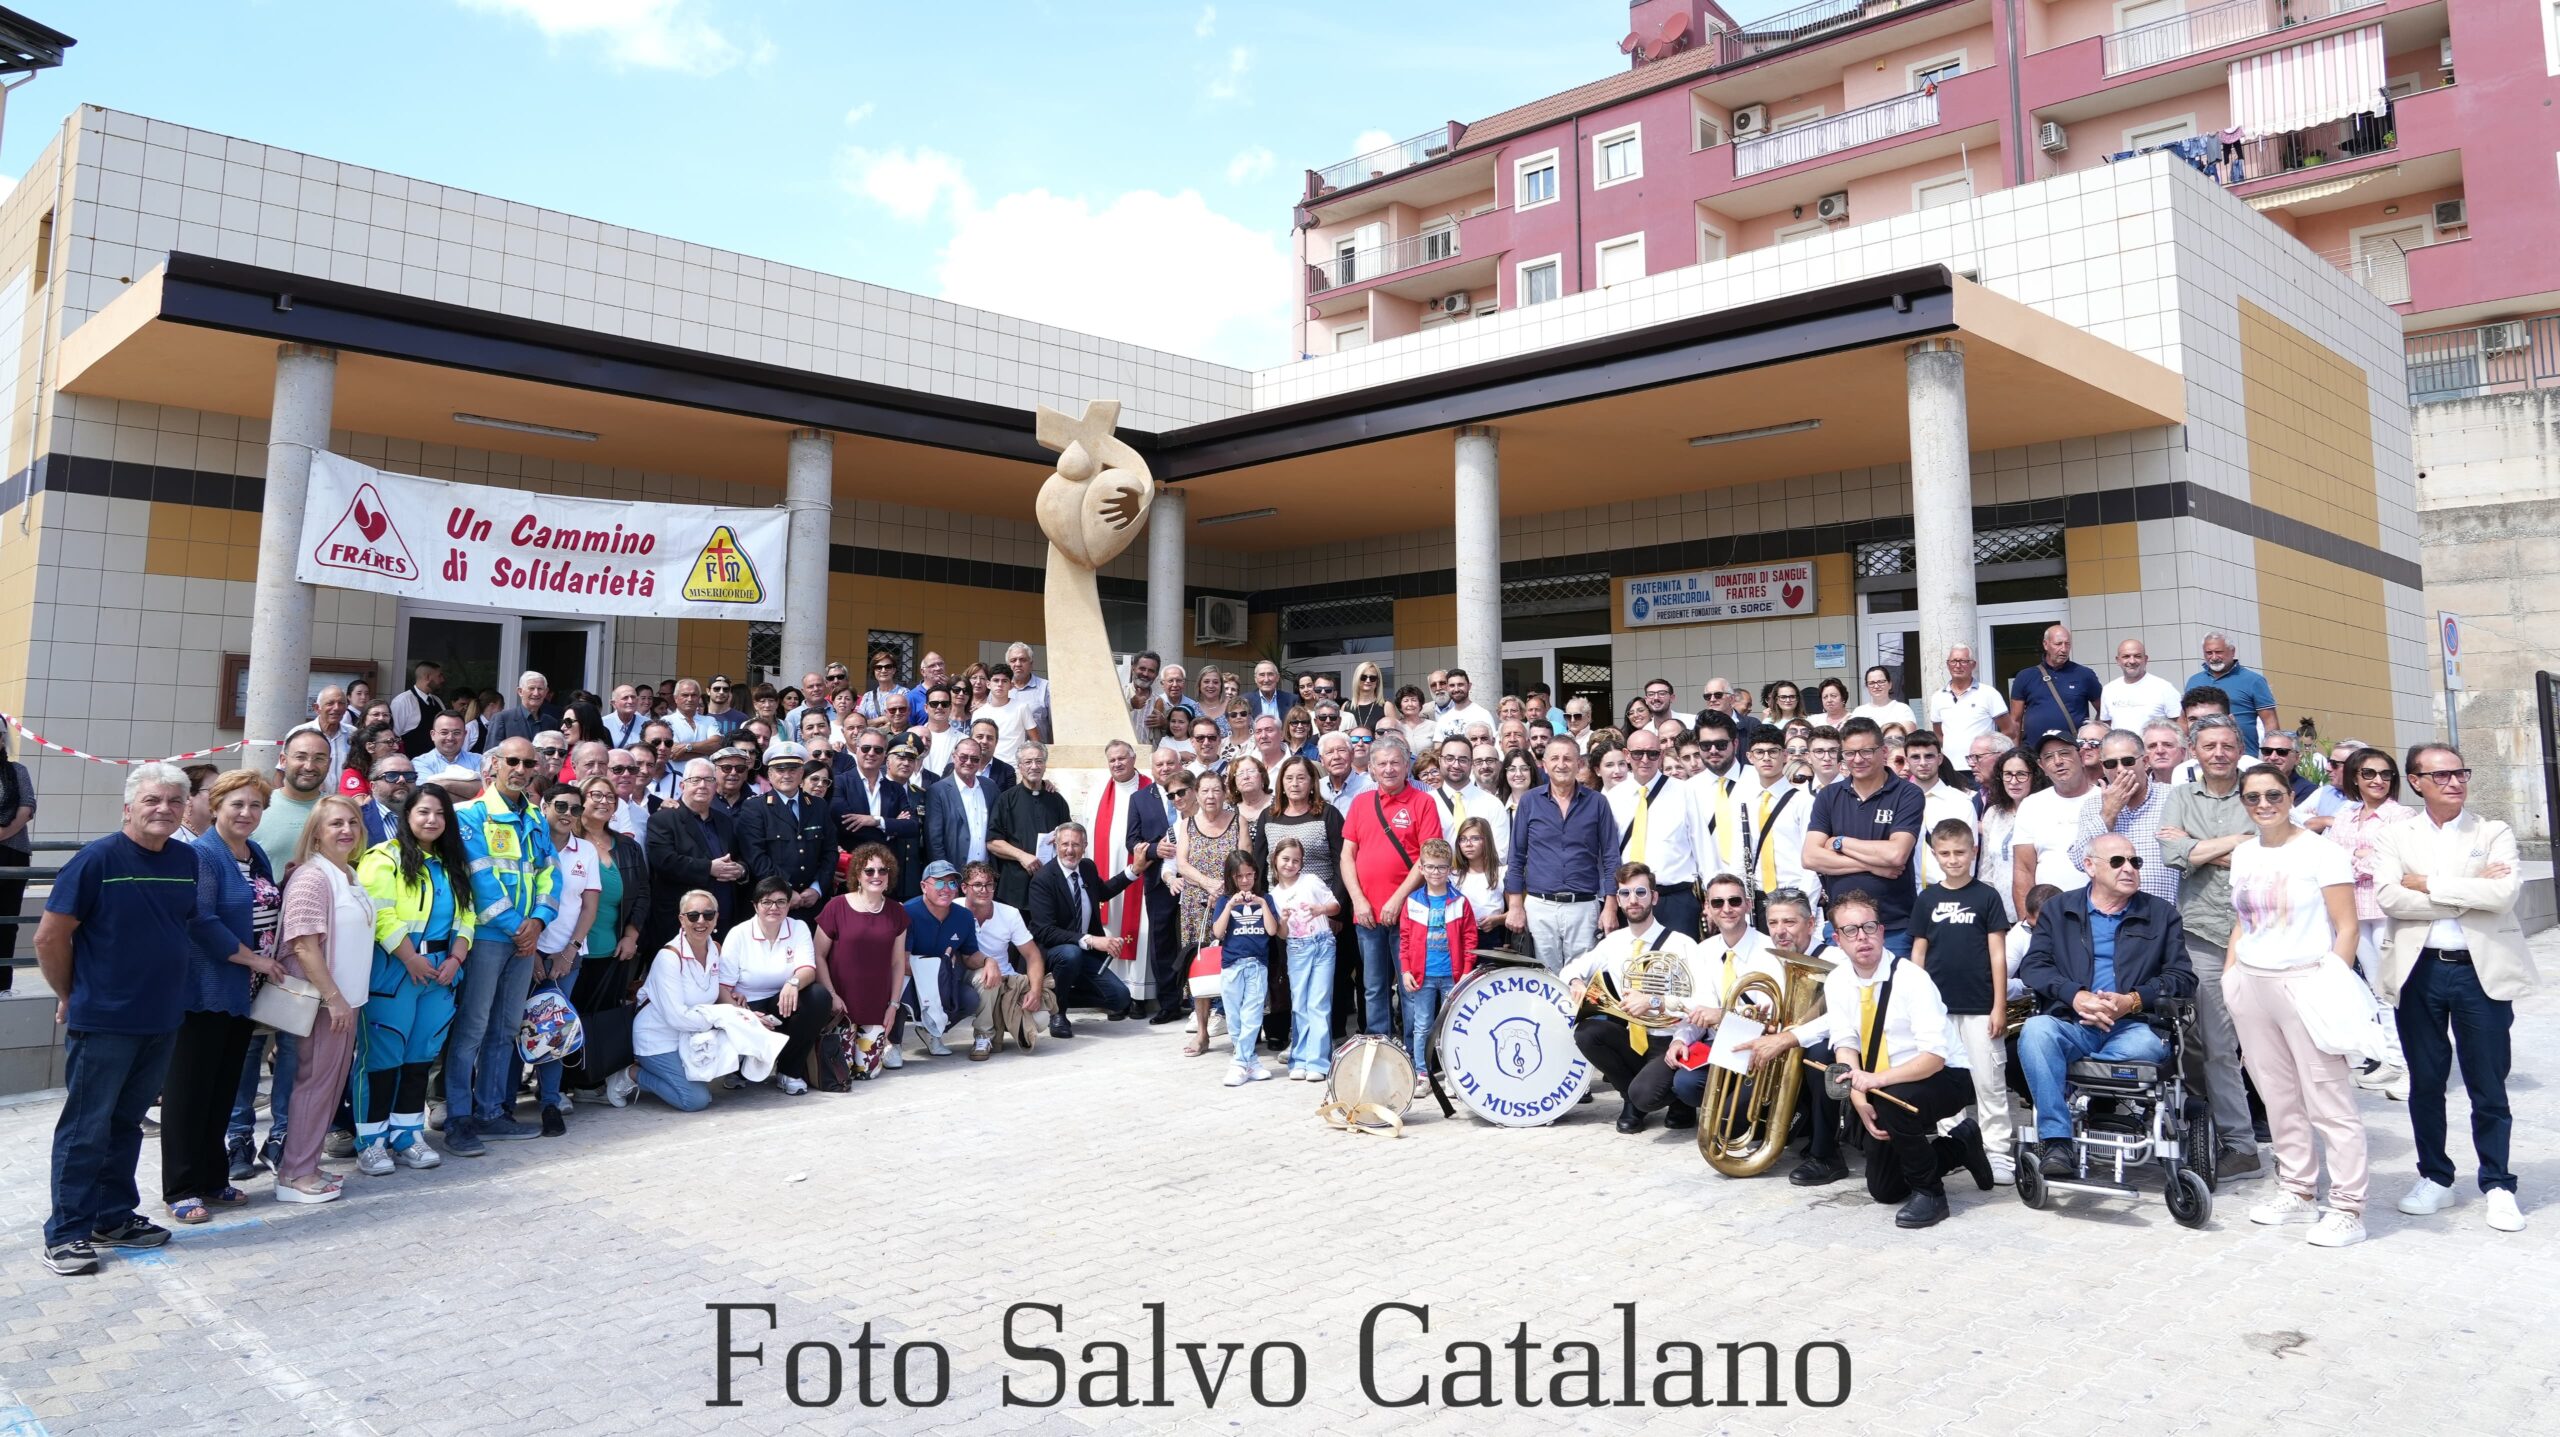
x=831 y=881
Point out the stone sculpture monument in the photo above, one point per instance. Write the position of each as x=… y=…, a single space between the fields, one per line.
x=1091 y=508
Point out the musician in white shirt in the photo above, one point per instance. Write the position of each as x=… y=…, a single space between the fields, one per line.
x=1883 y=1021
x=1732 y=951
x=1634 y=1057
x=1769 y=843
x=1661 y=839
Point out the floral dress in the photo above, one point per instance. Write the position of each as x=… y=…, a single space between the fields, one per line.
x=1207 y=853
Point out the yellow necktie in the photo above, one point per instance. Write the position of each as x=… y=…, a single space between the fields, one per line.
x=1867 y=1019
x=1635 y=832
x=1768 y=850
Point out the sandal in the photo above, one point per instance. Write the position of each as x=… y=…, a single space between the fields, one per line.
x=1194 y=1046
x=228 y=1197
x=189 y=1210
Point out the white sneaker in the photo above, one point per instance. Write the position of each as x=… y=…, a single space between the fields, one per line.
x=1237 y=1077
x=435 y=1116
x=619 y=1088
x=2389 y=1079
x=373 y=1159
x=792 y=1086
x=893 y=1056
x=934 y=1045
x=2426 y=1199
x=1260 y=1073
x=566 y=1105
x=2285 y=1207
x=2504 y=1215
x=2336 y=1228
x=1297 y=1075
x=417 y=1155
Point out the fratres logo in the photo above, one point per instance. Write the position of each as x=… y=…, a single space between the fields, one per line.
x=364 y=539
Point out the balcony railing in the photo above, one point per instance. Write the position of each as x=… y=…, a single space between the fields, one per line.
x=1368 y=264
x=2301 y=153
x=2212 y=26
x=1815 y=138
x=2382 y=270
x=2488 y=359
x=1788 y=27
x=1385 y=160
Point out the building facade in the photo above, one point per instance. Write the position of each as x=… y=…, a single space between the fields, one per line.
x=1923 y=411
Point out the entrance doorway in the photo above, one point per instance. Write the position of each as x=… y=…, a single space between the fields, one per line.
x=1568 y=667
x=2007 y=638
x=485 y=651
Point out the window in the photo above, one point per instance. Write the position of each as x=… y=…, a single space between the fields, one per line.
x=1711 y=241
x=1346 y=261
x=1952 y=189
x=2160 y=132
x=1350 y=336
x=1439 y=240
x=1938 y=71
x=1617 y=157
x=764 y=652
x=1619 y=260
x=904 y=646
x=1533 y=181
x=2134 y=14
x=1809 y=227
x=2401 y=87
x=1541 y=280
x=1706 y=124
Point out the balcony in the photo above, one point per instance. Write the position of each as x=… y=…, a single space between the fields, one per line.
x=2295 y=154
x=2383 y=271
x=1381 y=162
x=2488 y=359
x=1789 y=27
x=1845 y=131
x=2214 y=26
x=1362 y=266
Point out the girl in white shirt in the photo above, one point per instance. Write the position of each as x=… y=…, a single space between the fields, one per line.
x=2293 y=898
x=1479 y=877
x=770 y=965
x=1306 y=906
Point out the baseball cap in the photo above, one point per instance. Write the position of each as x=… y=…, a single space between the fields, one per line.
x=785 y=751
x=2056 y=735
x=940 y=868
x=733 y=751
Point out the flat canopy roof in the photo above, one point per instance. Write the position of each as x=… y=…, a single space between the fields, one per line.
x=1602 y=421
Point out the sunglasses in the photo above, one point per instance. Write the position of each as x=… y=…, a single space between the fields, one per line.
x=1635 y=893
x=1644 y=755
x=2369 y=775
x=659 y=743
x=568 y=807
x=2119 y=860
x=1728 y=903
x=397 y=776
x=703 y=915
x=2276 y=753
x=2089 y=742
x=1359 y=742
x=875 y=871
x=2114 y=764
x=1715 y=745
x=622 y=768
x=871 y=748
x=2267 y=800
x=937 y=703
x=519 y=762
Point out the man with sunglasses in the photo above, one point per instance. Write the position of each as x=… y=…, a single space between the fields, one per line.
x=1656 y=814
x=2130 y=805
x=940 y=735
x=514 y=876
x=2104 y=966
x=659 y=768
x=1861 y=833
x=2203 y=822
x=2454 y=963
x=631 y=802
x=693 y=844
x=719 y=698
x=394 y=779
x=2048 y=822
x=869 y=806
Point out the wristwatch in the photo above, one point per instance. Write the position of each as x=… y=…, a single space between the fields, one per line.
x=1835 y=844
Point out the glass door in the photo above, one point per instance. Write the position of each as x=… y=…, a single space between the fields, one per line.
x=471 y=648
x=1566 y=666
x=2008 y=638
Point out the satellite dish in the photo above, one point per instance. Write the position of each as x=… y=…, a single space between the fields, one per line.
x=1631 y=44
x=1675 y=32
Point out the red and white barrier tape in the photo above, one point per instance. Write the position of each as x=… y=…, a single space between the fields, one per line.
x=34 y=737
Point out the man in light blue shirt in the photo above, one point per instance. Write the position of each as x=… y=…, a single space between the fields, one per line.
x=2253 y=703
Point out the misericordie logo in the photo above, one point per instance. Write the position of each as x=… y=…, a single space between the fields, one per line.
x=722 y=573
x=365 y=540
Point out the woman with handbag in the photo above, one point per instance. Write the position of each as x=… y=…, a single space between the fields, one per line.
x=327 y=932
x=420 y=883
x=232 y=884
x=770 y=965
x=861 y=942
x=682 y=987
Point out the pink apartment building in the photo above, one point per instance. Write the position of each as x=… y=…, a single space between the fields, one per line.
x=2343 y=121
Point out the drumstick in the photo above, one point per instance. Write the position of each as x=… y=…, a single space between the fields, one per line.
x=1825 y=1070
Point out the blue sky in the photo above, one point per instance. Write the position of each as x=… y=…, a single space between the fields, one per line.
x=1126 y=168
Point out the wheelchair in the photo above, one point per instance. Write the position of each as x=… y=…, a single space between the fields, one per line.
x=2125 y=1116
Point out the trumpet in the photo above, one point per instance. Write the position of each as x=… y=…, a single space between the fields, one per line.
x=1742 y=1122
x=1656 y=975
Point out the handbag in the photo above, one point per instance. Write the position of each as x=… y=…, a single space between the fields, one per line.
x=1208 y=972
x=288 y=1005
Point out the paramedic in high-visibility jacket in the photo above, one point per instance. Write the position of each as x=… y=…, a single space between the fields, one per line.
x=513 y=879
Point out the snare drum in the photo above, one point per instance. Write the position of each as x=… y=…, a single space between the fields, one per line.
x=1371 y=1085
x=1503 y=1047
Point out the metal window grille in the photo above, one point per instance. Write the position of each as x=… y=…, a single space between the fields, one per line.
x=1340 y=618
x=1564 y=594
x=764 y=650
x=2027 y=543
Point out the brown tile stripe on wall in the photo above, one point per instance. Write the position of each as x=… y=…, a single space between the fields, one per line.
x=2310 y=428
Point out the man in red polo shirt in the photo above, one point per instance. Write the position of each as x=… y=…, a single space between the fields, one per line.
x=1383 y=830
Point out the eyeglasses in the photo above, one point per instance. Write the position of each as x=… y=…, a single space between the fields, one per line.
x=2114 y=764
x=2089 y=742
x=2266 y=800
x=2446 y=775
x=622 y=768
x=1635 y=893
x=695 y=778
x=567 y=807
x=1728 y=903
x=1858 y=930
x=2119 y=860
x=875 y=871
x=701 y=915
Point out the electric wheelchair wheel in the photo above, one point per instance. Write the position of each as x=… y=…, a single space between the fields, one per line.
x=2190 y=1200
x=2030 y=1181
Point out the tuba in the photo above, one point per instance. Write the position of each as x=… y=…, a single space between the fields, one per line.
x=1742 y=1122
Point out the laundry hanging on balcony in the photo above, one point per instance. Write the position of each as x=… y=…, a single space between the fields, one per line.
x=2310 y=84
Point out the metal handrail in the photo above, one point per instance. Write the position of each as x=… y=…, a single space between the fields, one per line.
x=1429 y=247
x=1847 y=130
x=2483 y=359
x=1385 y=160
x=2213 y=26
x=2383 y=271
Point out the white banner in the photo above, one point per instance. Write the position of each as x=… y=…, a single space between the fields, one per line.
x=1774 y=591
x=545 y=553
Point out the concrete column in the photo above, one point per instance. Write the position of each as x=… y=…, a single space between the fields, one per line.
x=1168 y=559
x=280 y=618
x=1941 y=508
x=1479 y=557
x=809 y=492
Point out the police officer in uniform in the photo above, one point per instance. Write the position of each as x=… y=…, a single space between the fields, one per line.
x=785 y=834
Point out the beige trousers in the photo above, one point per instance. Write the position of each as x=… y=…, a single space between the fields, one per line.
x=2305 y=1089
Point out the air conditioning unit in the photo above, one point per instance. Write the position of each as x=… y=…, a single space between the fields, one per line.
x=1750 y=120
x=1217 y=620
x=1832 y=207
x=2444 y=54
x=2505 y=338
x=2452 y=215
x=2051 y=138
x=1451 y=303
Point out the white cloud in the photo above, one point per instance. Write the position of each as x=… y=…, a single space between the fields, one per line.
x=1251 y=164
x=859 y=113
x=650 y=34
x=1368 y=140
x=1207 y=24
x=1227 y=82
x=908 y=186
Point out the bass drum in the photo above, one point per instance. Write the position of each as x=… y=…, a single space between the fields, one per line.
x=1503 y=1047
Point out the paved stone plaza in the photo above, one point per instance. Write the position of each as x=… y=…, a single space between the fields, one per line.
x=561 y=1286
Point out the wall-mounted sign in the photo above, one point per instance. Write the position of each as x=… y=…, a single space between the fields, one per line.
x=1770 y=591
x=1831 y=656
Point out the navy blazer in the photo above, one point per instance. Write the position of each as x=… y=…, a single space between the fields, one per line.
x=1051 y=912
x=1148 y=823
x=2150 y=957
x=946 y=821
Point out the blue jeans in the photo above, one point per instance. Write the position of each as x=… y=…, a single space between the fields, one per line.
x=662 y=1074
x=476 y=1050
x=110 y=1081
x=1379 y=974
x=244 y=1104
x=2444 y=1016
x=1310 y=1003
x=1086 y=975
x=2048 y=1046
x=1245 y=988
x=1421 y=1010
